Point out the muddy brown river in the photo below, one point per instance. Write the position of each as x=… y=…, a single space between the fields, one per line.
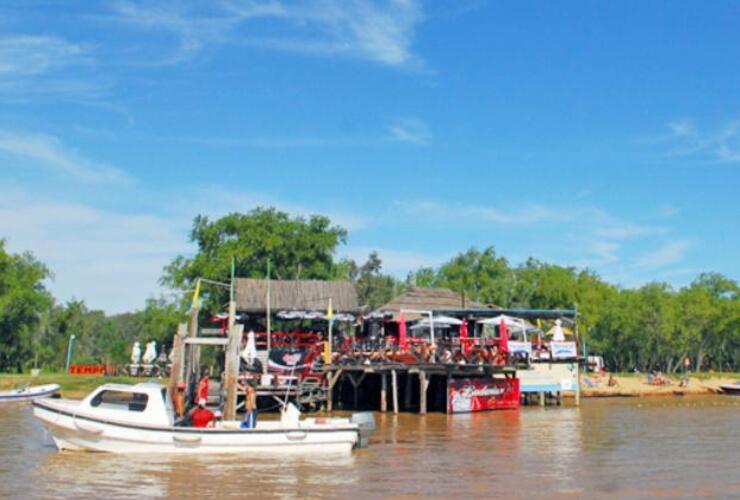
x=638 y=448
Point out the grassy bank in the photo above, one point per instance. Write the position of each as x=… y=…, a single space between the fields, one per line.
x=635 y=384
x=73 y=386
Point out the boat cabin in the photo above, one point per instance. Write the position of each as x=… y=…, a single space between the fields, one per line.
x=147 y=403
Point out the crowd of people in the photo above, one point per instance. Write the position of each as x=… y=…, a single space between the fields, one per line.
x=200 y=416
x=426 y=353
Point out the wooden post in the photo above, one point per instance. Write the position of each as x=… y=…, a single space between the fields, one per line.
x=232 y=367
x=383 y=392
x=394 y=384
x=542 y=399
x=407 y=392
x=423 y=384
x=332 y=378
x=177 y=356
x=578 y=385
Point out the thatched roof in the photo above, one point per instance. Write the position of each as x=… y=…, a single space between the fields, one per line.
x=428 y=299
x=251 y=295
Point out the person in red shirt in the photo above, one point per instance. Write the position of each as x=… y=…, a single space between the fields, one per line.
x=202 y=392
x=201 y=416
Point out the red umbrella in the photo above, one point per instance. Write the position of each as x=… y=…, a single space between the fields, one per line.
x=402 y=342
x=464 y=337
x=503 y=341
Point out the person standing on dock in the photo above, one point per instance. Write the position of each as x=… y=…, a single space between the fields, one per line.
x=250 y=405
x=178 y=401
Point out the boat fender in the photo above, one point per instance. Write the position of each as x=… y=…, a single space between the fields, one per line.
x=366 y=423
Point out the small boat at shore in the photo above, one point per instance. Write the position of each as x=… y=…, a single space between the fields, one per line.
x=139 y=418
x=733 y=389
x=29 y=393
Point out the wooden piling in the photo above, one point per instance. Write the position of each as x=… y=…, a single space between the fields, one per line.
x=423 y=384
x=394 y=384
x=231 y=370
x=383 y=392
x=331 y=378
x=542 y=399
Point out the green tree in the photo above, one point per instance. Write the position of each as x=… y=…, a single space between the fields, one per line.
x=23 y=299
x=297 y=248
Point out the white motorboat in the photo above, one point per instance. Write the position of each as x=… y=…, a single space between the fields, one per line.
x=140 y=419
x=29 y=392
x=733 y=389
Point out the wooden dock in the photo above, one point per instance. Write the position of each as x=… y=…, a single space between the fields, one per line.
x=414 y=381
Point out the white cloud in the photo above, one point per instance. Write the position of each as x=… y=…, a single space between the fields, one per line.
x=33 y=55
x=395 y=262
x=410 y=130
x=529 y=214
x=625 y=231
x=110 y=259
x=722 y=146
x=48 y=152
x=682 y=127
x=380 y=31
x=669 y=253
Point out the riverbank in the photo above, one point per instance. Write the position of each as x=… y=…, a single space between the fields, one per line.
x=73 y=386
x=636 y=385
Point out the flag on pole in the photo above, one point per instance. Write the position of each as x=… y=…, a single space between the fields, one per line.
x=196 y=296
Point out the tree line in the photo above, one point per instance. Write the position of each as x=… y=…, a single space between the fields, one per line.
x=651 y=327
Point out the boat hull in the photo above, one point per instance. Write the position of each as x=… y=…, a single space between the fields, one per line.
x=76 y=432
x=42 y=391
x=732 y=389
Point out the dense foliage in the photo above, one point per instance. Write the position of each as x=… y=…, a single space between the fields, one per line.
x=651 y=327
x=297 y=248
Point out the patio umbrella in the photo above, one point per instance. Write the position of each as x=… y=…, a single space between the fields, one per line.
x=503 y=341
x=402 y=342
x=464 y=337
x=557 y=332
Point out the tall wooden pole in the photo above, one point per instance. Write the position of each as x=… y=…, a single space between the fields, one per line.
x=232 y=369
x=269 y=318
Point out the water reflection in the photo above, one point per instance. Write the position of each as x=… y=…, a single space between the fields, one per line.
x=605 y=448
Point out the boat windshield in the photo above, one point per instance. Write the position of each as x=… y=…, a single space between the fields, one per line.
x=120 y=400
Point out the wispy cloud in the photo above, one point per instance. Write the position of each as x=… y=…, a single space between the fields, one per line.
x=410 y=130
x=380 y=31
x=26 y=150
x=529 y=214
x=33 y=55
x=688 y=140
x=396 y=262
x=669 y=253
x=623 y=230
x=110 y=259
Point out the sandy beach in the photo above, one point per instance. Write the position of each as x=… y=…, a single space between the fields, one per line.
x=596 y=385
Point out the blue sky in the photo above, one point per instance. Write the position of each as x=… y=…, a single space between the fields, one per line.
x=591 y=134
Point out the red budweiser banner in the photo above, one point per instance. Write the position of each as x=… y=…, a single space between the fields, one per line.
x=482 y=394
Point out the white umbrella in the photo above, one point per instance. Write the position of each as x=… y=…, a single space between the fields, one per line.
x=557 y=332
x=150 y=354
x=291 y=314
x=344 y=317
x=250 y=350
x=315 y=315
x=136 y=353
x=439 y=321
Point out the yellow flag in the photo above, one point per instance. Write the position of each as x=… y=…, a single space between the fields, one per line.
x=329 y=311
x=196 y=296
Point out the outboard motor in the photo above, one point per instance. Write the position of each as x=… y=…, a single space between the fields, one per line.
x=366 y=422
